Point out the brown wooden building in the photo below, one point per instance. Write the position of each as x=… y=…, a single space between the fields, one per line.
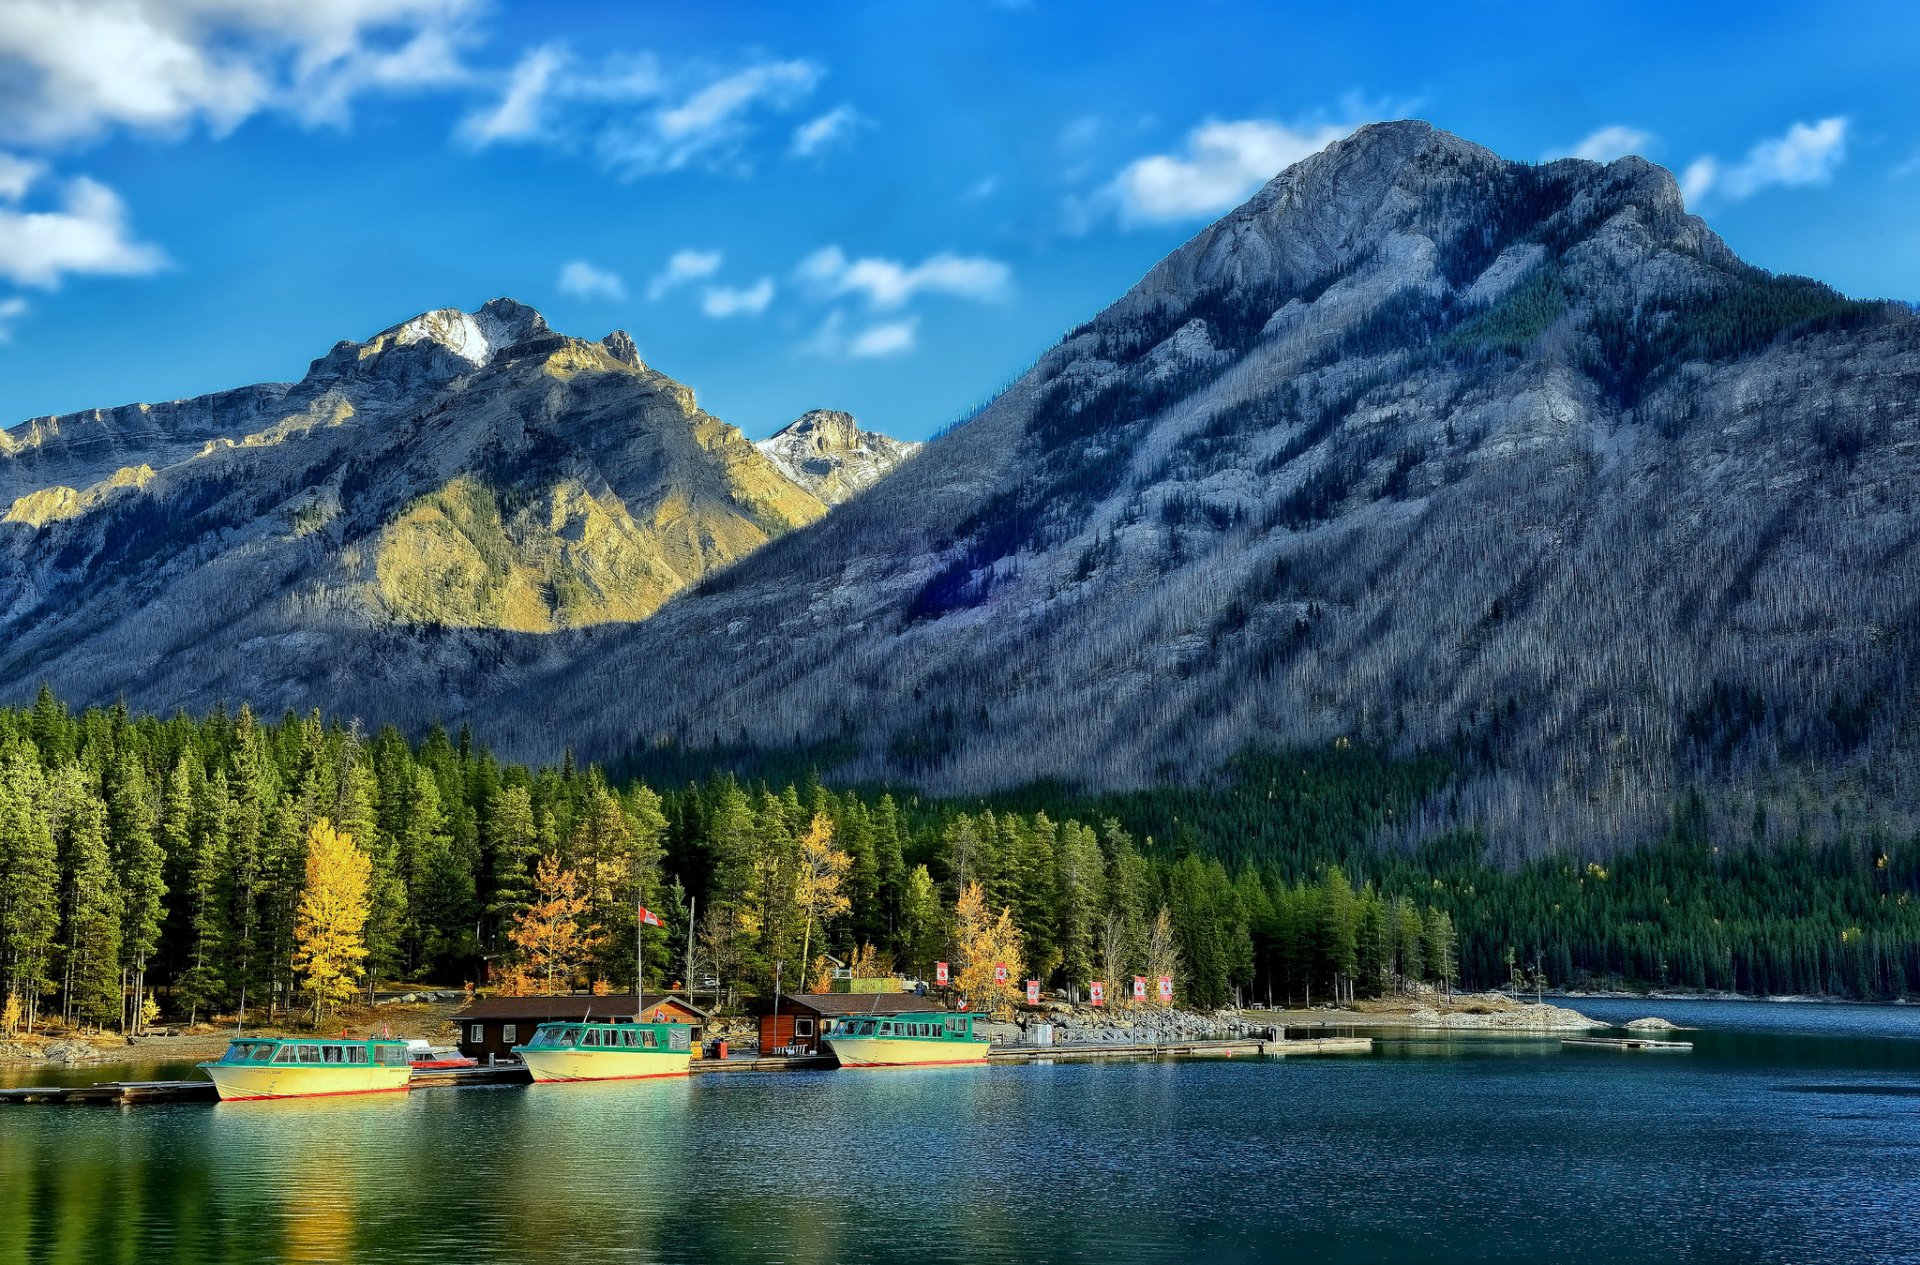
x=800 y=1020
x=491 y=1026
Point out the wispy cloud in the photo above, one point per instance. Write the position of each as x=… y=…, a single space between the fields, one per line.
x=890 y=283
x=721 y=302
x=683 y=267
x=1806 y=154
x=1607 y=144
x=834 y=128
x=1218 y=168
x=82 y=229
x=880 y=339
x=75 y=71
x=11 y=310
x=582 y=280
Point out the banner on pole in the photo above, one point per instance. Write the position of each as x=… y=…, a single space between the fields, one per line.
x=940 y=973
x=1139 y=988
x=1033 y=992
x=1166 y=988
x=1097 y=993
x=999 y=972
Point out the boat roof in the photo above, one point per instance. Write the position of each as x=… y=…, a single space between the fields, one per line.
x=317 y=1039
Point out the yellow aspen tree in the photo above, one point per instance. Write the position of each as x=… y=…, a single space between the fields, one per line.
x=552 y=933
x=823 y=868
x=983 y=943
x=329 y=945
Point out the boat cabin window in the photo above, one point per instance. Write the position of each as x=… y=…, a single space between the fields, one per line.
x=390 y=1055
x=650 y=1039
x=331 y=1054
x=867 y=1027
x=356 y=1054
x=592 y=1037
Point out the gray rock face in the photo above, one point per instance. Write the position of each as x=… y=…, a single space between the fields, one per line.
x=827 y=453
x=1418 y=448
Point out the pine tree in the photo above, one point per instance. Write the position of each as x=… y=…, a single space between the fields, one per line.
x=93 y=905
x=139 y=862
x=29 y=885
x=202 y=845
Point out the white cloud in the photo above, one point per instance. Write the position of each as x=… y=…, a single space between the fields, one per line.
x=75 y=69
x=584 y=281
x=889 y=283
x=685 y=266
x=835 y=127
x=1607 y=144
x=888 y=339
x=724 y=301
x=520 y=113
x=84 y=233
x=707 y=126
x=1807 y=154
x=11 y=310
x=1221 y=166
x=884 y=338
x=17 y=175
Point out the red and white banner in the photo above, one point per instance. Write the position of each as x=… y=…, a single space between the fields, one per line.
x=1033 y=992
x=999 y=972
x=1139 y=988
x=647 y=917
x=1097 y=993
x=1166 y=988
x=940 y=973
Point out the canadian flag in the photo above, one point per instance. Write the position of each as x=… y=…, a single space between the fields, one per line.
x=1097 y=993
x=1033 y=992
x=1166 y=988
x=1139 y=988
x=940 y=972
x=647 y=917
x=999 y=972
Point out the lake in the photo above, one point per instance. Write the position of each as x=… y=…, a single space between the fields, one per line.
x=1791 y=1134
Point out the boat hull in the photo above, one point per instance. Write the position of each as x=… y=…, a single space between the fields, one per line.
x=554 y=1066
x=905 y=1052
x=239 y=1083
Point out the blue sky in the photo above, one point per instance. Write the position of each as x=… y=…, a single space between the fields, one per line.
x=887 y=207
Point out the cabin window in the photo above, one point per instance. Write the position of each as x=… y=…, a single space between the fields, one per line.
x=631 y=1038
x=509 y=1032
x=477 y=1034
x=803 y=1027
x=330 y=1054
x=648 y=1040
x=390 y=1055
x=309 y=1054
x=356 y=1054
x=592 y=1037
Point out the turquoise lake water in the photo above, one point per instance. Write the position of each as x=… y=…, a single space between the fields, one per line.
x=1790 y=1134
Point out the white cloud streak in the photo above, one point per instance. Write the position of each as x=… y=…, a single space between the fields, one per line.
x=77 y=69
x=835 y=127
x=1806 y=154
x=684 y=266
x=582 y=280
x=1607 y=144
x=721 y=302
x=889 y=283
x=83 y=232
x=11 y=310
x=876 y=341
x=1219 y=168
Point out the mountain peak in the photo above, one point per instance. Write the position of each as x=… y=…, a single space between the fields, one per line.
x=440 y=344
x=826 y=452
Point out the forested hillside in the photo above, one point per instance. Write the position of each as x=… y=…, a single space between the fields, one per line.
x=166 y=858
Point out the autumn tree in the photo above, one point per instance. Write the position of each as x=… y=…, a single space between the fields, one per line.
x=1163 y=951
x=822 y=870
x=329 y=944
x=983 y=942
x=553 y=935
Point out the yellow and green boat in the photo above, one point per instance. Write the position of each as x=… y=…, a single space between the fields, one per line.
x=606 y=1051
x=910 y=1040
x=304 y=1067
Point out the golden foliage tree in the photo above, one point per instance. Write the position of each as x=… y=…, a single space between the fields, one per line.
x=823 y=868
x=983 y=942
x=552 y=935
x=329 y=944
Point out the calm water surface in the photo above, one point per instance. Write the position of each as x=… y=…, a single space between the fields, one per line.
x=1791 y=1134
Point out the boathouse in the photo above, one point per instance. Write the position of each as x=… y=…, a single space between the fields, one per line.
x=491 y=1026
x=798 y=1022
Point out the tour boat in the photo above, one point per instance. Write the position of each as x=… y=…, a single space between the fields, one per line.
x=309 y=1067
x=915 y=1040
x=606 y=1051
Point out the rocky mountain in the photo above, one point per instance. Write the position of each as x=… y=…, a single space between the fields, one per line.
x=369 y=537
x=1514 y=463
x=827 y=453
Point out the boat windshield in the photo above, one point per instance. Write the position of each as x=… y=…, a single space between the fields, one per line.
x=248 y=1052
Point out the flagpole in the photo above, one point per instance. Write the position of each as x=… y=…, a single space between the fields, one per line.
x=639 y=963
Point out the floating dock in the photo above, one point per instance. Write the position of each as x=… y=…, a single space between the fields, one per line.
x=1625 y=1043
x=140 y=1093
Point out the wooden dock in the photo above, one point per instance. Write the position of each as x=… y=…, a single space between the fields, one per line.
x=1248 y=1048
x=1625 y=1043
x=140 y=1093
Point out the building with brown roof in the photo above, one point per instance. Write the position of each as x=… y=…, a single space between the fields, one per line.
x=491 y=1026
x=799 y=1020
